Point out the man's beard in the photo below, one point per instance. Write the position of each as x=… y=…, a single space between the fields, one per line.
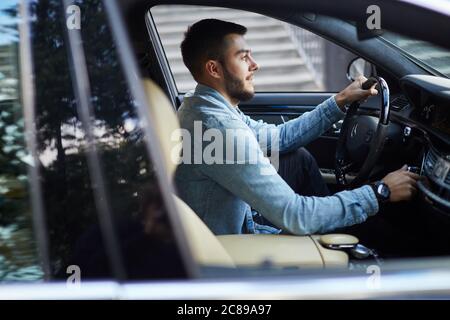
x=235 y=87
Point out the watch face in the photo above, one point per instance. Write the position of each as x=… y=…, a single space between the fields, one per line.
x=383 y=191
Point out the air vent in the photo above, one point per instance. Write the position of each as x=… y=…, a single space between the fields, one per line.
x=429 y=167
x=447 y=179
x=430 y=161
x=399 y=103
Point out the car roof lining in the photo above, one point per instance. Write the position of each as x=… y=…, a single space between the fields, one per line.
x=351 y=10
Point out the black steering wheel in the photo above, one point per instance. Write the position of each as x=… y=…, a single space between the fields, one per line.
x=351 y=140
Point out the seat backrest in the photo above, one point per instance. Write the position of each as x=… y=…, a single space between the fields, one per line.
x=166 y=124
x=206 y=248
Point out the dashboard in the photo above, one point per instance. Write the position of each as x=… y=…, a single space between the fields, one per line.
x=429 y=118
x=430 y=99
x=418 y=135
x=437 y=116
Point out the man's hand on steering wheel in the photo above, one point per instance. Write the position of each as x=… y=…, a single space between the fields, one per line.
x=355 y=92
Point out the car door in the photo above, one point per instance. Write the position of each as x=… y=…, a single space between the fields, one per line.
x=298 y=69
x=75 y=195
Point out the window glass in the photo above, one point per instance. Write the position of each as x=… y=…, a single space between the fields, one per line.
x=18 y=254
x=148 y=244
x=67 y=191
x=291 y=59
x=433 y=56
x=133 y=198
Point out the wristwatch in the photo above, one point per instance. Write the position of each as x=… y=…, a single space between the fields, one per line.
x=382 y=191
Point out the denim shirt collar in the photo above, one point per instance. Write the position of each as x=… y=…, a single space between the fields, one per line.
x=204 y=90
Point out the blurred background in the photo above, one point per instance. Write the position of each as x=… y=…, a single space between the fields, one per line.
x=290 y=58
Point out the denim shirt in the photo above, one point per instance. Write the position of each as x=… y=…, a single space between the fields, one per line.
x=228 y=196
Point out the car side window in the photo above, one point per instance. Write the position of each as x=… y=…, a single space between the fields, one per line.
x=290 y=58
x=147 y=242
x=70 y=182
x=18 y=251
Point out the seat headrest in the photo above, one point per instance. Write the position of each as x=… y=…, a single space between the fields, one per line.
x=166 y=125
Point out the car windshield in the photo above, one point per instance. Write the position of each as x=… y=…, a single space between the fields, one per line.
x=425 y=53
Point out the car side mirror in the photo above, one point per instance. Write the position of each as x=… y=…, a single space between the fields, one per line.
x=360 y=67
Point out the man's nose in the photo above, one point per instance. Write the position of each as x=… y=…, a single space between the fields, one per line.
x=253 y=65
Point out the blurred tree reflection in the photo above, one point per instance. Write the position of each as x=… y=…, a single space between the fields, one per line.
x=18 y=256
x=67 y=189
x=68 y=192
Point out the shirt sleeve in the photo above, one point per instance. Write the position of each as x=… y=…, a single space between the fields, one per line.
x=253 y=179
x=297 y=132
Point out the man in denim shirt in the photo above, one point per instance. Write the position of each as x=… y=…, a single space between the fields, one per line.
x=228 y=181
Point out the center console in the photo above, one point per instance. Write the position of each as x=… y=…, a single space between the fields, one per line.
x=436 y=189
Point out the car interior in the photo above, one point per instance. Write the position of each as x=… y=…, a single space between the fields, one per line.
x=105 y=124
x=408 y=123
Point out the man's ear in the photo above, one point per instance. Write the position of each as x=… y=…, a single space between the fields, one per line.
x=213 y=69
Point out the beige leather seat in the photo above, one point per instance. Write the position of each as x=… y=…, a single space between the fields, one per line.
x=235 y=250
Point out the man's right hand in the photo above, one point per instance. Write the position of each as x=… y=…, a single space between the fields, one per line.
x=354 y=92
x=402 y=184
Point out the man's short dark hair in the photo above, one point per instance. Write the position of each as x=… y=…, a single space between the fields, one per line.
x=205 y=40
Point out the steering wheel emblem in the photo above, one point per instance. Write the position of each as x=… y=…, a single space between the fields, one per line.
x=353 y=132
